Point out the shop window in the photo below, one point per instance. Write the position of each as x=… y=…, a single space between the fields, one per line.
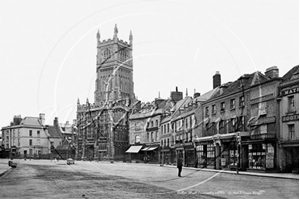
x=257 y=156
x=291 y=134
x=210 y=155
x=291 y=105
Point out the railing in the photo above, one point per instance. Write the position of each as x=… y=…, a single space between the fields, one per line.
x=263 y=136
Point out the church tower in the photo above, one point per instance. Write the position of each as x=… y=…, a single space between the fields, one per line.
x=114 y=69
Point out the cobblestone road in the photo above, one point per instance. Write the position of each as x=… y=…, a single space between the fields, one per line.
x=45 y=179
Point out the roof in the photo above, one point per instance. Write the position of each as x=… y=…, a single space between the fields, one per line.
x=291 y=74
x=32 y=121
x=248 y=80
x=206 y=95
x=53 y=132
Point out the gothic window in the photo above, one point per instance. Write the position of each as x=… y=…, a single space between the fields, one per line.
x=107 y=54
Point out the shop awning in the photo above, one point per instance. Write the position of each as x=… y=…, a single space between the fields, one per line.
x=145 y=149
x=152 y=148
x=134 y=149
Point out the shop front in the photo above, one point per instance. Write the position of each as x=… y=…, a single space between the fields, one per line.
x=221 y=151
x=186 y=151
x=134 y=153
x=151 y=154
x=261 y=155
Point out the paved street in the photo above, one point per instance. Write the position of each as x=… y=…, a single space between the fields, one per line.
x=46 y=179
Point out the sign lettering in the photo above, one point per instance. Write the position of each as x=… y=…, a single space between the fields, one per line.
x=290 y=91
x=288 y=118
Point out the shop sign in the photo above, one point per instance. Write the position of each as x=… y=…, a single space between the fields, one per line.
x=188 y=144
x=290 y=91
x=178 y=145
x=266 y=120
x=288 y=118
x=262 y=99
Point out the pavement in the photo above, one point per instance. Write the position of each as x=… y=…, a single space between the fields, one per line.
x=5 y=168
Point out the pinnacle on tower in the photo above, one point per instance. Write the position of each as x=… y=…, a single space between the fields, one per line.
x=87 y=100
x=130 y=38
x=78 y=102
x=98 y=35
x=186 y=92
x=116 y=31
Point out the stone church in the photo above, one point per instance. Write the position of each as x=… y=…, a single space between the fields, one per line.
x=102 y=126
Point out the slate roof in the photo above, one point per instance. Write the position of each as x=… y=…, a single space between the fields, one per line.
x=289 y=75
x=207 y=95
x=248 y=81
x=32 y=121
x=53 y=132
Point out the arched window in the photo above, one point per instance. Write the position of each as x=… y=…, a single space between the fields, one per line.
x=137 y=139
x=106 y=54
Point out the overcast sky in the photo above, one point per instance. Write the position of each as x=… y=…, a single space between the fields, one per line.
x=48 y=48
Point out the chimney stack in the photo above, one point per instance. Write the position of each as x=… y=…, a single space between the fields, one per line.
x=196 y=95
x=272 y=72
x=42 y=118
x=176 y=95
x=216 y=80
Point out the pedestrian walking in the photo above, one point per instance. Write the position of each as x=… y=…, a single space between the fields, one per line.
x=179 y=166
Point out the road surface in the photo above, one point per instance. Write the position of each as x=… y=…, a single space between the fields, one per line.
x=46 y=179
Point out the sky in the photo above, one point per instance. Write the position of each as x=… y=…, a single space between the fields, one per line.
x=48 y=48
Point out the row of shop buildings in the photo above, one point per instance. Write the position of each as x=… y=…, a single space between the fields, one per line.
x=251 y=123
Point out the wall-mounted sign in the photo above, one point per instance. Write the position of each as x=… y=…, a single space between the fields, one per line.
x=290 y=91
x=262 y=98
x=263 y=120
x=287 y=118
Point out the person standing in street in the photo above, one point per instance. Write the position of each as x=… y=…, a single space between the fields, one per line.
x=179 y=166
